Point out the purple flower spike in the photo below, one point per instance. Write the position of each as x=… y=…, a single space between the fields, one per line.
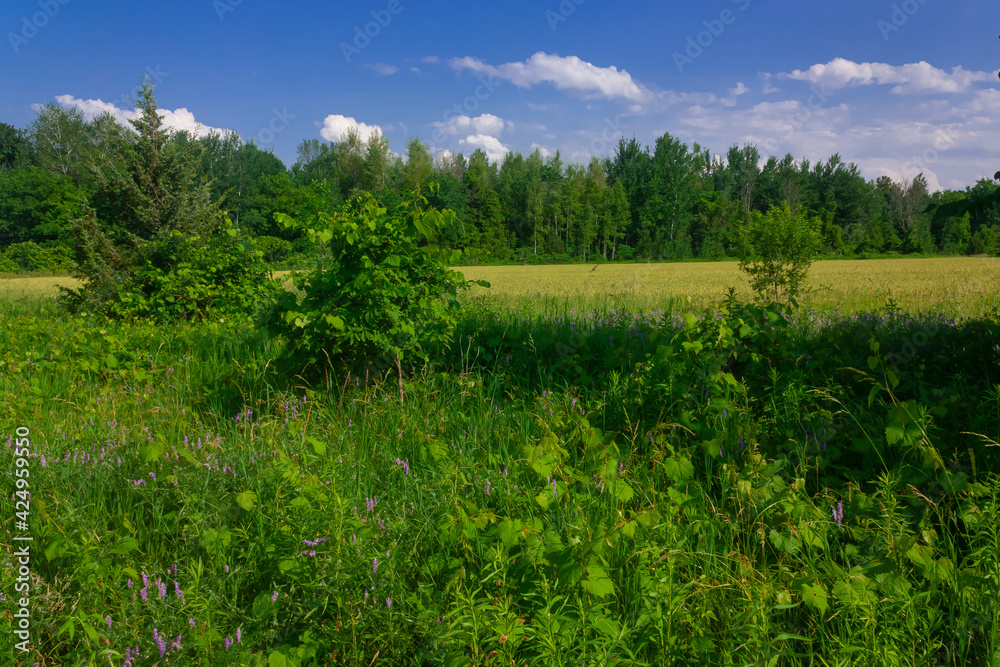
x=375 y=565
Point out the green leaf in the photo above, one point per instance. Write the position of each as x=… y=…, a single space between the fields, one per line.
x=126 y=545
x=598 y=582
x=247 y=500
x=318 y=447
x=279 y=659
x=678 y=468
x=815 y=597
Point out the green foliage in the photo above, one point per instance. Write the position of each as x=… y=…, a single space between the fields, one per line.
x=189 y=278
x=776 y=250
x=384 y=295
x=273 y=249
x=37 y=205
x=27 y=257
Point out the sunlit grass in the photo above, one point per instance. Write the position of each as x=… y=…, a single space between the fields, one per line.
x=965 y=286
x=959 y=286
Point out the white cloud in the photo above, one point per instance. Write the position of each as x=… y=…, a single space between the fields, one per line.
x=565 y=73
x=382 y=69
x=491 y=145
x=545 y=152
x=734 y=94
x=178 y=119
x=908 y=78
x=483 y=124
x=335 y=127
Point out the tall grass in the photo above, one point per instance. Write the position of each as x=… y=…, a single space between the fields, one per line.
x=544 y=496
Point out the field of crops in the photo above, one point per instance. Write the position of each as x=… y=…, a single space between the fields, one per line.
x=659 y=482
x=964 y=287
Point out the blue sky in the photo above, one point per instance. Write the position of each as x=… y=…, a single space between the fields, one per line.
x=897 y=87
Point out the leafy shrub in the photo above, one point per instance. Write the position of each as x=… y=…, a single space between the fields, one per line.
x=30 y=256
x=776 y=249
x=189 y=278
x=272 y=248
x=382 y=295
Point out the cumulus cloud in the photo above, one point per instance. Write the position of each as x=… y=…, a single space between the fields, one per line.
x=543 y=151
x=565 y=73
x=734 y=94
x=491 y=145
x=908 y=78
x=178 y=119
x=485 y=123
x=382 y=69
x=335 y=127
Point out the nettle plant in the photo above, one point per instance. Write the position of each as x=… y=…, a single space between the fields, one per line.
x=381 y=292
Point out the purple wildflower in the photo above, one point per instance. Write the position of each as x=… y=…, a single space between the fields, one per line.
x=107 y=619
x=274 y=597
x=375 y=565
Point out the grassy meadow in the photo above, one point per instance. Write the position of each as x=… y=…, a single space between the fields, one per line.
x=606 y=466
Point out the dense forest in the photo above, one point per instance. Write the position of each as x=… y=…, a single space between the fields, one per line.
x=668 y=201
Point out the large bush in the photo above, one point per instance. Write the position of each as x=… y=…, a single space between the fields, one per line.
x=191 y=278
x=380 y=293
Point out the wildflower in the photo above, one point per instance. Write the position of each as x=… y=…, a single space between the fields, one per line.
x=388 y=603
x=143 y=595
x=228 y=642
x=555 y=492
x=239 y=636
x=177 y=588
x=160 y=642
x=107 y=619
x=227 y=568
x=838 y=513
x=129 y=584
x=191 y=622
x=487 y=487
x=177 y=644
x=375 y=565
x=163 y=589
x=274 y=597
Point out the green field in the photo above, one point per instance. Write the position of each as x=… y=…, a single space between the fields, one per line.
x=965 y=286
x=569 y=482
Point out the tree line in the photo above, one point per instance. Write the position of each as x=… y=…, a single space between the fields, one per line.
x=668 y=201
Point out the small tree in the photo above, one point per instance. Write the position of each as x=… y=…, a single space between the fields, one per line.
x=776 y=250
x=381 y=294
x=153 y=243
